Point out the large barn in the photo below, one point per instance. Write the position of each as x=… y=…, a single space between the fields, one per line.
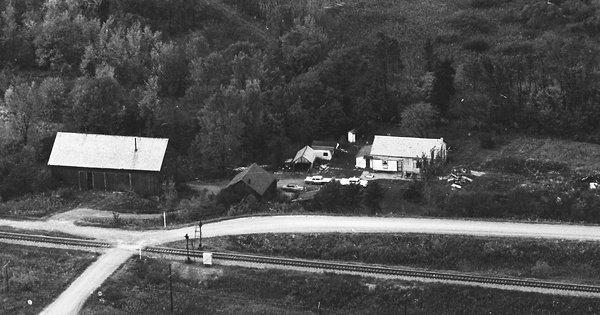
x=114 y=163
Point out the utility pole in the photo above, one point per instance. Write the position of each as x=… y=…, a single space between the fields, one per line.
x=200 y=235
x=171 y=287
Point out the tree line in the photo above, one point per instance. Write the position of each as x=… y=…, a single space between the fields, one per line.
x=179 y=70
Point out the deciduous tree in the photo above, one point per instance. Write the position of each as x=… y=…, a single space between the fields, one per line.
x=419 y=119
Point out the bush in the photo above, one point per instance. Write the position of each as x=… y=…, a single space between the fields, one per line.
x=476 y=45
x=541 y=269
x=414 y=192
x=484 y=4
x=471 y=23
x=228 y=197
x=526 y=167
x=487 y=141
x=248 y=205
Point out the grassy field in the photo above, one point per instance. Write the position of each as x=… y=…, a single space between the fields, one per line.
x=39 y=232
x=38 y=275
x=571 y=261
x=142 y=287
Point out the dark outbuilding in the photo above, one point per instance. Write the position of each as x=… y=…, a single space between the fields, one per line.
x=114 y=163
x=254 y=180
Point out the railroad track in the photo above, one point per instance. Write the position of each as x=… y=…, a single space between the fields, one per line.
x=53 y=240
x=378 y=270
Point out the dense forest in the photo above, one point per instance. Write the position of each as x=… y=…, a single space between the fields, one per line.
x=226 y=97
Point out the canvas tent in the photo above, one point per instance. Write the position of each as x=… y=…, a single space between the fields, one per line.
x=305 y=156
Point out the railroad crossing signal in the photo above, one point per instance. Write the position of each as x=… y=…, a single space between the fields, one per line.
x=198 y=234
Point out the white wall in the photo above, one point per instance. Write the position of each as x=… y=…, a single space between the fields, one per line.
x=361 y=162
x=323 y=154
x=378 y=165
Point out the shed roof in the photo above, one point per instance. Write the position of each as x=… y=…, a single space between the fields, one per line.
x=108 y=152
x=305 y=155
x=255 y=177
x=364 y=151
x=405 y=146
x=324 y=145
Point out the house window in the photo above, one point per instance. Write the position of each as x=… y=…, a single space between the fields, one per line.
x=385 y=164
x=325 y=153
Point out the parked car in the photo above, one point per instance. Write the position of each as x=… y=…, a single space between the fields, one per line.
x=292 y=187
x=353 y=181
x=317 y=180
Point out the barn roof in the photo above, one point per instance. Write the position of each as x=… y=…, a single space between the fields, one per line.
x=305 y=155
x=405 y=146
x=108 y=152
x=255 y=177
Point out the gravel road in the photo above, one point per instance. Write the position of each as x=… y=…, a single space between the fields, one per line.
x=71 y=300
x=127 y=242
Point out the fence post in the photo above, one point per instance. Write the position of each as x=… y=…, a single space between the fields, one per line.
x=6 y=276
x=171 y=287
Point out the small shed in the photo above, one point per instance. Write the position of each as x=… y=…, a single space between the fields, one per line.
x=352 y=136
x=363 y=157
x=113 y=163
x=324 y=149
x=254 y=180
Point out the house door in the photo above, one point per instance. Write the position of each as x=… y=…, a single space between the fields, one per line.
x=400 y=166
x=368 y=163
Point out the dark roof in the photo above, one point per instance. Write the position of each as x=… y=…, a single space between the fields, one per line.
x=255 y=177
x=324 y=145
x=364 y=151
x=108 y=152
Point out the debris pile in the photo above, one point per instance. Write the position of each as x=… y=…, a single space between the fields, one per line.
x=458 y=177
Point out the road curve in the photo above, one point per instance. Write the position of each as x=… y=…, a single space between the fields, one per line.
x=322 y=224
x=127 y=242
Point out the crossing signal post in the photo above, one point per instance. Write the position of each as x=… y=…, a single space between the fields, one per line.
x=187 y=247
x=199 y=234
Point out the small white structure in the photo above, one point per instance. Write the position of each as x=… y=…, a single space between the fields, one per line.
x=352 y=136
x=403 y=154
x=324 y=150
x=207 y=259
x=363 y=158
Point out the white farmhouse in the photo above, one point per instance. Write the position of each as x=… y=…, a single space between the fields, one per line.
x=400 y=154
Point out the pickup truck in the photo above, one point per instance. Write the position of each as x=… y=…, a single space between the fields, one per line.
x=317 y=180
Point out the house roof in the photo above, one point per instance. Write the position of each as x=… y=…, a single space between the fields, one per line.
x=305 y=155
x=324 y=145
x=405 y=146
x=255 y=177
x=366 y=150
x=108 y=152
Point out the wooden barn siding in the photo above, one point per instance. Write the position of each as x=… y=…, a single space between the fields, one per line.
x=141 y=182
